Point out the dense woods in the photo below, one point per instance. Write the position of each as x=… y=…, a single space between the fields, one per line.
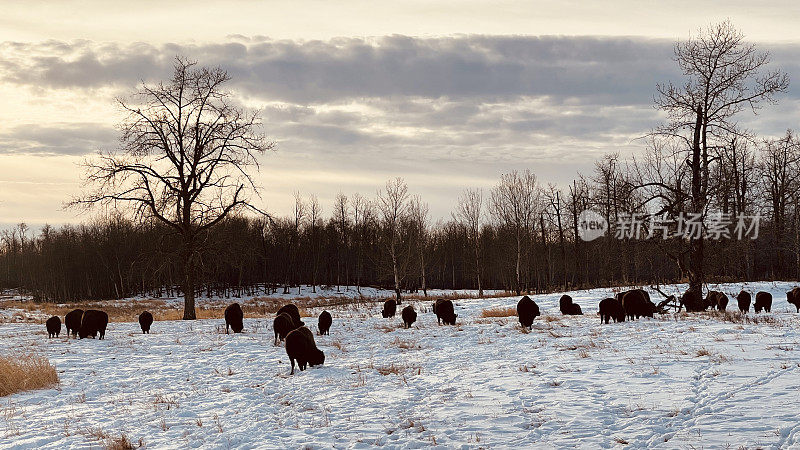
x=520 y=235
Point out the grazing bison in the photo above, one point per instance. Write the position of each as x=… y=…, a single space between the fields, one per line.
x=527 y=310
x=234 y=318
x=53 y=326
x=145 y=320
x=611 y=308
x=574 y=310
x=564 y=304
x=73 y=321
x=293 y=312
x=717 y=300
x=743 y=299
x=445 y=312
x=693 y=301
x=282 y=325
x=636 y=304
x=325 y=321
x=793 y=297
x=763 y=301
x=92 y=323
x=409 y=316
x=300 y=347
x=389 y=309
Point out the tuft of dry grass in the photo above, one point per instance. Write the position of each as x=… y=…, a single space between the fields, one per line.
x=499 y=312
x=702 y=352
x=120 y=442
x=405 y=345
x=25 y=373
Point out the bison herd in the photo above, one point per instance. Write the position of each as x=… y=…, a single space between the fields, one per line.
x=302 y=349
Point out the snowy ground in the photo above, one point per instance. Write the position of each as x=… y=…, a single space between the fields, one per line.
x=669 y=382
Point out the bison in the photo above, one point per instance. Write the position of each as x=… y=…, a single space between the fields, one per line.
x=693 y=301
x=300 y=347
x=53 y=325
x=636 y=304
x=743 y=299
x=145 y=320
x=389 y=309
x=527 y=310
x=564 y=304
x=92 y=323
x=717 y=300
x=73 y=321
x=611 y=308
x=282 y=325
x=293 y=312
x=763 y=301
x=234 y=318
x=409 y=316
x=567 y=307
x=574 y=310
x=793 y=297
x=325 y=321
x=445 y=312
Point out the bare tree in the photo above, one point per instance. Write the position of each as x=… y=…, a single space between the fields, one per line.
x=780 y=175
x=724 y=75
x=514 y=201
x=183 y=160
x=341 y=217
x=393 y=204
x=470 y=203
x=418 y=212
x=314 y=221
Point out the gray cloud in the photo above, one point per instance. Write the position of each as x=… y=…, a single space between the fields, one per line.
x=618 y=70
x=57 y=139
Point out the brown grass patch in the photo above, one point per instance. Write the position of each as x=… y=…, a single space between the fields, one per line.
x=121 y=442
x=499 y=312
x=406 y=345
x=25 y=373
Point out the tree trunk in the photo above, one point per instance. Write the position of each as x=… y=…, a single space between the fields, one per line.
x=188 y=284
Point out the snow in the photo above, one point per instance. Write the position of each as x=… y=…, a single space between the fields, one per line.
x=668 y=382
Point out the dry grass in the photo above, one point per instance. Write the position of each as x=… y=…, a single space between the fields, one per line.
x=120 y=442
x=25 y=373
x=499 y=312
x=405 y=345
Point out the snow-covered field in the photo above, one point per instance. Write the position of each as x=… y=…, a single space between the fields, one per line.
x=670 y=382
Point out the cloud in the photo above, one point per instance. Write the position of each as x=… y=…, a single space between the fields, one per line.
x=57 y=139
x=618 y=70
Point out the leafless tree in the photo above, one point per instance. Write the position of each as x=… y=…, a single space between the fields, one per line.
x=469 y=212
x=418 y=212
x=393 y=204
x=724 y=75
x=184 y=160
x=514 y=202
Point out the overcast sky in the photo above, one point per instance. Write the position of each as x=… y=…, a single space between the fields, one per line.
x=447 y=94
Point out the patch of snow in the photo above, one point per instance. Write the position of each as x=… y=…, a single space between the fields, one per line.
x=668 y=382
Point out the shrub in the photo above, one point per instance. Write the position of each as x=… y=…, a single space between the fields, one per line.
x=25 y=373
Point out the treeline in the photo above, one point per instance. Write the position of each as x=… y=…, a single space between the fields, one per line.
x=519 y=235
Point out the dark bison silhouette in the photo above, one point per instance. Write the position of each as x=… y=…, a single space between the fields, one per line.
x=574 y=310
x=282 y=325
x=389 y=309
x=72 y=321
x=611 y=308
x=693 y=301
x=444 y=311
x=145 y=320
x=92 y=323
x=527 y=310
x=409 y=316
x=293 y=312
x=567 y=307
x=300 y=347
x=325 y=321
x=793 y=297
x=53 y=325
x=234 y=318
x=743 y=299
x=763 y=301
x=636 y=304
x=717 y=300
